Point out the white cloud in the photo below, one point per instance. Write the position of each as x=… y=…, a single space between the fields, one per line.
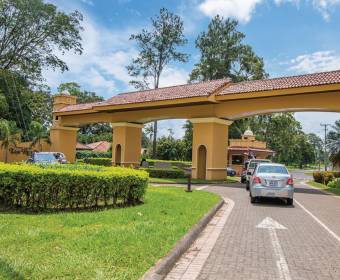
x=240 y=9
x=315 y=62
x=243 y=10
x=88 y=2
x=323 y=6
x=173 y=76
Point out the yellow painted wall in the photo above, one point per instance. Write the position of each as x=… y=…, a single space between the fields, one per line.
x=128 y=136
x=23 y=156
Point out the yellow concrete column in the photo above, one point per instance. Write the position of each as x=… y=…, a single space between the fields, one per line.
x=64 y=139
x=210 y=148
x=126 y=144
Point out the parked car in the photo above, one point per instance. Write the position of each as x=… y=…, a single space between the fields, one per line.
x=47 y=157
x=231 y=171
x=251 y=167
x=271 y=180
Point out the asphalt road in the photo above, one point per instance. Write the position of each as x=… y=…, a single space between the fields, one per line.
x=270 y=240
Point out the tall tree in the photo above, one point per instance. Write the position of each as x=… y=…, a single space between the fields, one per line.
x=223 y=54
x=317 y=144
x=31 y=31
x=12 y=87
x=158 y=47
x=187 y=140
x=9 y=136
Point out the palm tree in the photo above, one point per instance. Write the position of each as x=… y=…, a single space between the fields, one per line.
x=334 y=144
x=38 y=133
x=334 y=150
x=9 y=136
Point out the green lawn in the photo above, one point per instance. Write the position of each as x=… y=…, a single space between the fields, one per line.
x=108 y=244
x=335 y=191
x=193 y=181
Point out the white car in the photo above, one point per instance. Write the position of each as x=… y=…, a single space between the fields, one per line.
x=271 y=180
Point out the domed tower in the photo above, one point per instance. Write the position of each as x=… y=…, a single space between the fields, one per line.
x=248 y=135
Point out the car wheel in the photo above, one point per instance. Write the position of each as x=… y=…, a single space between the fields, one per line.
x=290 y=201
x=252 y=199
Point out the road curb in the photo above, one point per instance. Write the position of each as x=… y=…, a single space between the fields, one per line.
x=165 y=264
x=321 y=190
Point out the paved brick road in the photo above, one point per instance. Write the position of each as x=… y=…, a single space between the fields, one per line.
x=243 y=251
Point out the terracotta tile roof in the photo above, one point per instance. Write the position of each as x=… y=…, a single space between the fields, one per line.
x=77 y=107
x=166 y=93
x=101 y=146
x=80 y=146
x=316 y=79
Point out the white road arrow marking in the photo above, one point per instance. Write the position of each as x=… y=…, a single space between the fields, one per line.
x=281 y=263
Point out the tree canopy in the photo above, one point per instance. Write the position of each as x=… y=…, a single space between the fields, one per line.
x=30 y=34
x=224 y=54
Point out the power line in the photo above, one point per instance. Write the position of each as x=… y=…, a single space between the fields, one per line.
x=325 y=125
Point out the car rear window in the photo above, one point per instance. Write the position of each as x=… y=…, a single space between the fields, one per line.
x=272 y=169
x=253 y=164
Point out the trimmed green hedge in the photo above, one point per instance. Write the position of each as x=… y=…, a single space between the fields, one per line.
x=173 y=173
x=90 y=154
x=173 y=163
x=324 y=177
x=60 y=187
x=98 y=161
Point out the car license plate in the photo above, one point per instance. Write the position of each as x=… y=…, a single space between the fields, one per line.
x=272 y=183
x=272 y=194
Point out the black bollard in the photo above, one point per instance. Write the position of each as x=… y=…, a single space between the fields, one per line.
x=189 y=184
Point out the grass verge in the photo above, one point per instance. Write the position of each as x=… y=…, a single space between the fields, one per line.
x=109 y=244
x=335 y=191
x=193 y=181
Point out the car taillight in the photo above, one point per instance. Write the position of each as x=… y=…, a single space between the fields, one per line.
x=290 y=181
x=257 y=180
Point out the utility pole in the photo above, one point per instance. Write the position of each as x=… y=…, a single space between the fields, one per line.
x=325 y=125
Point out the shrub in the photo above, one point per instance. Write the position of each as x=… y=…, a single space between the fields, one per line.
x=323 y=177
x=57 y=187
x=173 y=173
x=334 y=184
x=99 y=161
x=318 y=177
x=90 y=154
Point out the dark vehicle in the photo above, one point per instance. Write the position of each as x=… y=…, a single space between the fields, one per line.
x=244 y=172
x=231 y=172
x=47 y=158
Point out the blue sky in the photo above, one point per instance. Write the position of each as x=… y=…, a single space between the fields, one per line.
x=293 y=37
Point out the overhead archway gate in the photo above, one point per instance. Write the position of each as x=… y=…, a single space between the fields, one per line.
x=211 y=106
